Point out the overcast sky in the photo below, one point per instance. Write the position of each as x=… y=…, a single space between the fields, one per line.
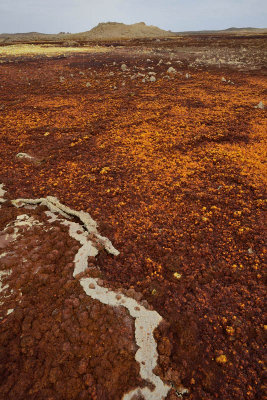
x=53 y=16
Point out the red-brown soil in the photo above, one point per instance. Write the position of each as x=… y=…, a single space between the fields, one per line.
x=58 y=343
x=174 y=173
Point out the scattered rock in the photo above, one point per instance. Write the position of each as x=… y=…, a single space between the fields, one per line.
x=261 y=106
x=24 y=155
x=152 y=79
x=88 y=84
x=187 y=76
x=171 y=70
x=227 y=81
x=124 y=67
x=181 y=391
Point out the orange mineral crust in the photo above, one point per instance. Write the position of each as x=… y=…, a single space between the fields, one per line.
x=173 y=170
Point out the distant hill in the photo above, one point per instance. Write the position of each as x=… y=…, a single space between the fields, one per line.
x=118 y=30
x=103 y=31
x=27 y=36
x=232 y=30
x=240 y=29
x=115 y=31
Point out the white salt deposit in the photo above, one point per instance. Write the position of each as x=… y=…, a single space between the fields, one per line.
x=77 y=232
x=54 y=205
x=2 y=193
x=145 y=323
x=145 y=320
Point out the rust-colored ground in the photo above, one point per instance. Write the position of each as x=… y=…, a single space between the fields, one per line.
x=174 y=173
x=58 y=343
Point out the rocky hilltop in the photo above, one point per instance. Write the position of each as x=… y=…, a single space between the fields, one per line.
x=119 y=30
x=103 y=31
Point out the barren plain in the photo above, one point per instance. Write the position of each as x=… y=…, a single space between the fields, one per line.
x=163 y=143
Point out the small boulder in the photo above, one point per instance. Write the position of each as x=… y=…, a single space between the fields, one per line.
x=171 y=70
x=260 y=106
x=24 y=155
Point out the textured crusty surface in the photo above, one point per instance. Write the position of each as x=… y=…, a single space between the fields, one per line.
x=174 y=173
x=145 y=323
x=24 y=252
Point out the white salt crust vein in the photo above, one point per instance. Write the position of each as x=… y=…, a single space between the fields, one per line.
x=145 y=320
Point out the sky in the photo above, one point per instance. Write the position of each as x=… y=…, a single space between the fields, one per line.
x=54 y=16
